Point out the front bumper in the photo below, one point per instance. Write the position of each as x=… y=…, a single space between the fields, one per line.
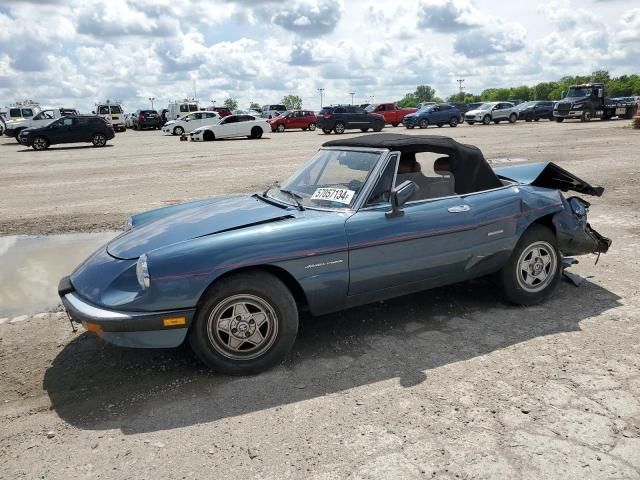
x=165 y=329
x=196 y=136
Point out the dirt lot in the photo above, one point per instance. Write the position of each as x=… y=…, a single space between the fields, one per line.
x=451 y=383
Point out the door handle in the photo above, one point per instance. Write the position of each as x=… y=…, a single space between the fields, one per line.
x=459 y=209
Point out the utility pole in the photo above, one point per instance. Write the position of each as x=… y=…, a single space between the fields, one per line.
x=460 y=86
x=151 y=99
x=352 y=94
x=321 y=90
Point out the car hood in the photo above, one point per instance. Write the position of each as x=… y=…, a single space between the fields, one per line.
x=179 y=223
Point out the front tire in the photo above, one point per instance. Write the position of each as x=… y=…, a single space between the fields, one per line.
x=208 y=136
x=424 y=123
x=245 y=325
x=533 y=269
x=326 y=131
x=486 y=120
x=512 y=118
x=40 y=143
x=586 y=116
x=559 y=119
x=99 y=140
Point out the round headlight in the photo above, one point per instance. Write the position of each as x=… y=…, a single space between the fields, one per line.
x=142 y=271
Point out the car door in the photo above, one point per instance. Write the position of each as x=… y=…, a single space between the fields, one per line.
x=209 y=118
x=429 y=242
x=42 y=118
x=228 y=127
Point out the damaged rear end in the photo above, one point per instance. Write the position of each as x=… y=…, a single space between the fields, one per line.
x=574 y=233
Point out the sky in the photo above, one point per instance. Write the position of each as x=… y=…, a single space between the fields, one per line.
x=74 y=53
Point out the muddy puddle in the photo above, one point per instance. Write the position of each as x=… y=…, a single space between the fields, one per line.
x=31 y=267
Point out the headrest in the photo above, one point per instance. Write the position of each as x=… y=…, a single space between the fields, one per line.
x=441 y=166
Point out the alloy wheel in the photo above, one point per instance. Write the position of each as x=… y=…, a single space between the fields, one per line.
x=536 y=267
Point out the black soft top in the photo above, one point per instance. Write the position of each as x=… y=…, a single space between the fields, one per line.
x=470 y=170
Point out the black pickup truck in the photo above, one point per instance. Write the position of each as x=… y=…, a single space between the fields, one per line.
x=588 y=101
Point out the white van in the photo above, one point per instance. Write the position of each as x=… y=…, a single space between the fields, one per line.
x=23 y=110
x=42 y=118
x=178 y=109
x=272 y=111
x=112 y=112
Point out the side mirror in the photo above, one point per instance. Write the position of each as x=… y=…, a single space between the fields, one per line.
x=93 y=111
x=400 y=195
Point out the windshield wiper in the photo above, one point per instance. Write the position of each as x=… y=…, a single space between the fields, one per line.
x=296 y=198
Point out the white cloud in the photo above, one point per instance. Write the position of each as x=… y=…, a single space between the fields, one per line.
x=76 y=52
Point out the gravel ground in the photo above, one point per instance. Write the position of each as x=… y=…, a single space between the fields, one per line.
x=451 y=383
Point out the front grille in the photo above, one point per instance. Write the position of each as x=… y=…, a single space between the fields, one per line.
x=564 y=108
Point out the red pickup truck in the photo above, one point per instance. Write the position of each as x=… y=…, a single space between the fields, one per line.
x=390 y=111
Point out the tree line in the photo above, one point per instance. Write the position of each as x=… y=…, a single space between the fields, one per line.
x=622 y=86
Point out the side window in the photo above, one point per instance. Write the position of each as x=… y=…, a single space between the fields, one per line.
x=359 y=110
x=27 y=112
x=430 y=172
x=67 y=122
x=210 y=115
x=231 y=119
x=445 y=107
x=382 y=108
x=196 y=116
x=339 y=110
x=184 y=108
x=380 y=193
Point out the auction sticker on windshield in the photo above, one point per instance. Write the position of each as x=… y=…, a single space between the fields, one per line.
x=341 y=195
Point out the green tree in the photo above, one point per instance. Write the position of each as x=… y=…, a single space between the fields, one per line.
x=409 y=100
x=292 y=102
x=255 y=106
x=231 y=103
x=425 y=93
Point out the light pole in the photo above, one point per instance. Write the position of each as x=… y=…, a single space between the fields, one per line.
x=321 y=90
x=352 y=94
x=371 y=98
x=151 y=99
x=214 y=103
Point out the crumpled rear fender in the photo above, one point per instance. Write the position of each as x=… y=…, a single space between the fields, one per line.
x=574 y=233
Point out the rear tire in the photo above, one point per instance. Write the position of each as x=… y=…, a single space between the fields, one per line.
x=395 y=124
x=364 y=130
x=17 y=134
x=326 y=131
x=99 y=140
x=453 y=122
x=410 y=127
x=312 y=127
x=533 y=269
x=559 y=119
x=339 y=128
x=586 y=115
x=470 y=123
x=244 y=325
x=280 y=128
x=256 y=132
x=178 y=131
x=378 y=128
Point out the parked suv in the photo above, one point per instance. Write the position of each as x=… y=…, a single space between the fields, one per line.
x=343 y=117
x=304 y=119
x=222 y=111
x=69 y=129
x=495 y=112
x=535 y=110
x=440 y=114
x=146 y=119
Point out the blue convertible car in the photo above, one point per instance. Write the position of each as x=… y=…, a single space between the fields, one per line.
x=365 y=219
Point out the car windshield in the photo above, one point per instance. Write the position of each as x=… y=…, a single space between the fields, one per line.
x=525 y=105
x=426 y=108
x=370 y=108
x=103 y=110
x=116 y=109
x=485 y=106
x=331 y=179
x=579 y=92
